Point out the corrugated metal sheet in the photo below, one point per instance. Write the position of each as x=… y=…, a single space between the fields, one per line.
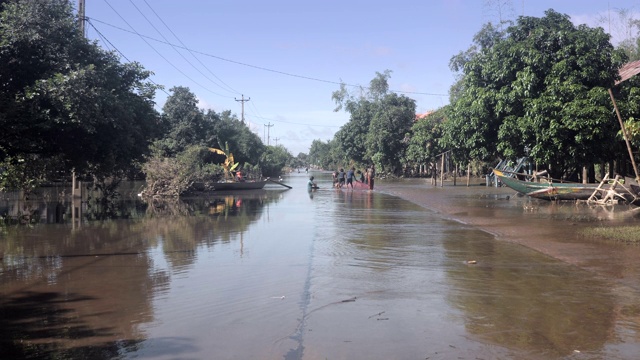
x=629 y=70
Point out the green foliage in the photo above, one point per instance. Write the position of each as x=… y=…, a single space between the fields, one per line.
x=225 y=127
x=423 y=144
x=65 y=97
x=627 y=95
x=26 y=173
x=320 y=154
x=388 y=129
x=300 y=161
x=540 y=91
x=352 y=136
x=187 y=125
x=174 y=176
x=376 y=130
x=184 y=123
x=274 y=160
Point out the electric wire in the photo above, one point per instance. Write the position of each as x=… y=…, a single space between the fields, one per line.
x=297 y=123
x=104 y=39
x=260 y=67
x=190 y=52
x=176 y=50
x=159 y=54
x=161 y=88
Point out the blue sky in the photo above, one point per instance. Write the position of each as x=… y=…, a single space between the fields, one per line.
x=288 y=57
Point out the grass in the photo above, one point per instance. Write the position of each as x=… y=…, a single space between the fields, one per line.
x=625 y=234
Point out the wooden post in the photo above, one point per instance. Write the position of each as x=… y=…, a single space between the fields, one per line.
x=455 y=174
x=626 y=136
x=76 y=186
x=442 y=171
x=468 y=174
x=434 y=171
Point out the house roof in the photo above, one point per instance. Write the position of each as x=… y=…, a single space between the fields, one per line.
x=628 y=70
x=424 y=115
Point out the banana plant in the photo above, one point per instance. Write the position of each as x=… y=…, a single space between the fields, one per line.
x=229 y=165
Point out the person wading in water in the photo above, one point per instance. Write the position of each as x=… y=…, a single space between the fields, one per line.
x=371 y=174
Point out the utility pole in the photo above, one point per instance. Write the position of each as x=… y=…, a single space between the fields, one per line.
x=268 y=128
x=243 y=100
x=276 y=139
x=81 y=17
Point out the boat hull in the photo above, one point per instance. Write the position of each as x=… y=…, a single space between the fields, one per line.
x=244 y=185
x=549 y=191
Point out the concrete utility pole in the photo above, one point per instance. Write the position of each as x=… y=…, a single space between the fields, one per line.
x=81 y=17
x=268 y=128
x=243 y=100
x=276 y=139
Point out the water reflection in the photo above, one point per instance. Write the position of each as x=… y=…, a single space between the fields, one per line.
x=73 y=291
x=272 y=275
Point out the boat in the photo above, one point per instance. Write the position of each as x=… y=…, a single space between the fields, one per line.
x=551 y=190
x=239 y=185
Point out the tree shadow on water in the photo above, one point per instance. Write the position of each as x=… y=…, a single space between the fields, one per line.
x=34 y=325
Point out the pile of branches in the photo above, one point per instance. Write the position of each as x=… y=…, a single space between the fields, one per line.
x=174 y=177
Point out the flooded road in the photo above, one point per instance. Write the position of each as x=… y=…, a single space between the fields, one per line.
x=329 y=274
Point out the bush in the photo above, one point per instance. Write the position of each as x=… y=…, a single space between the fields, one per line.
x=186 y=172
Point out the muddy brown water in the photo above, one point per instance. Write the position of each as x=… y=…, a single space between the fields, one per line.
x=408 y=271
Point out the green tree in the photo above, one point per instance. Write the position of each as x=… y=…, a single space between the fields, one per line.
x=319 y=154
x=388 y=130
x=302 y=160
x=378 y=124
x=226 y=127
x=542 y=92
x=183 y=121
x=63 y=97
x=484 y=40
x=274 y=160
x=424 y=143
x=352 y=136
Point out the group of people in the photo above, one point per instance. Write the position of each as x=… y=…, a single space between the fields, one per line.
x=342 y=178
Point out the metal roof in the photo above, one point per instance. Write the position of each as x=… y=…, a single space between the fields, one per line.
x=628 y=70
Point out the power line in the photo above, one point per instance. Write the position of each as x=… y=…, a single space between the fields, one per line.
x=258 y=116
x=229 y=88
x=104 y=39
x=260 y=67
x=295 y=123
x=159 y=54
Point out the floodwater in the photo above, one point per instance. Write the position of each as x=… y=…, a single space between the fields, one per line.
x=329 y=274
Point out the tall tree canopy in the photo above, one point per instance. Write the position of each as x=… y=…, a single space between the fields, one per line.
x=187 y=125
x=62 y=96
x=540 y=91
x=378 y=125
x=424 y=144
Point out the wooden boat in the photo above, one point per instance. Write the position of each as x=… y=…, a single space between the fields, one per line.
x=239 y=185
x=549 y=190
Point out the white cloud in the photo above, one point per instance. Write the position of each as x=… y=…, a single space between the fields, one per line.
x=204 y=105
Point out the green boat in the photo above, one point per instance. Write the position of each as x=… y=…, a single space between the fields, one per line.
x=550 y=190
